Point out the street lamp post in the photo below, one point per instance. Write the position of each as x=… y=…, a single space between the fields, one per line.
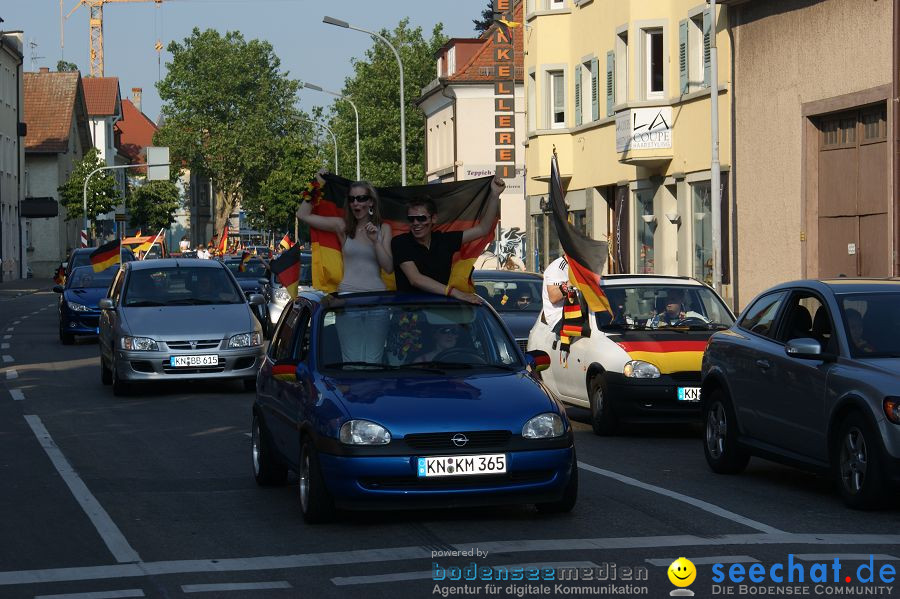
x=333 y=138
x=342 y=97
x=715 y=167
x=107 y=168
x=346 y=25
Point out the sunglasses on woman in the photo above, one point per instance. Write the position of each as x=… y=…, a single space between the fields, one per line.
x=448 y=331
x=418 y=218
x=359 y=199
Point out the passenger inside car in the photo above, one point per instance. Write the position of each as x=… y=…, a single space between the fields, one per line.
x=856 y=327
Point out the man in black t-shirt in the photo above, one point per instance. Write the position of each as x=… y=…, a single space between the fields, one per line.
x=423 y=257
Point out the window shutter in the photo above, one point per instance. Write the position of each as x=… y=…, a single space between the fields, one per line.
x=610 y=82
x=707 y=23
x=578 y=95
x=683 y=74
x=595 y=89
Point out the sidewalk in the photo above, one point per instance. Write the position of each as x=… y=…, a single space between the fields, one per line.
x=13 y=289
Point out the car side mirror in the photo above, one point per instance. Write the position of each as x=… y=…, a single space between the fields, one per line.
x=106 y=304
x=290 y=370
x=58 y=289
x=806 y=348
x=256 y=299
x=537 y=360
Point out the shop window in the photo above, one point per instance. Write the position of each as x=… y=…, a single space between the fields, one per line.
x=644 y=230
x=701 y=199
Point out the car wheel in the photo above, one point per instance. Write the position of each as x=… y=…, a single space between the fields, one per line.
x=119 y=387
x=315 y=502
x=266 y=469
x=720 y=438
x=105 y=374
x=858 y=464
x=66 y=338
x=570 y=495
x=603 y=420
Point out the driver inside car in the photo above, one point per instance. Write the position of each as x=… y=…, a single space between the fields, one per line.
x=444 y=339
x=674 y=312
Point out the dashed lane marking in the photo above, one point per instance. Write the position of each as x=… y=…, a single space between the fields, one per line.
x=107 y=529
x=7 y=336
x=11 y=328
x=235 y=586
x=704 y=561
x=697 y=503
x=17 y=394
x=7 y=359
x=4 y=345
x=426 y=575
x=96 y=595
x=11 y=374
x=17 y=322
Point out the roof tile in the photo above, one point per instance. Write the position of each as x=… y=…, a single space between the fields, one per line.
x=50 y=100
x=101 y=95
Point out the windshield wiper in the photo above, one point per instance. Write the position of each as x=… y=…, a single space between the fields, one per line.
x=441 y=365
x=190 y=301
x=372 y=365
x=143 y=304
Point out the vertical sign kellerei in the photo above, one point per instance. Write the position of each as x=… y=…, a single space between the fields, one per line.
x=504 y=91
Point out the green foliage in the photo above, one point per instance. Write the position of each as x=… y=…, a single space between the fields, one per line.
x=226 y=105
x=102 y=194
x=375 y=88
x=66 y=67
x=152 y=205
x=486 y=20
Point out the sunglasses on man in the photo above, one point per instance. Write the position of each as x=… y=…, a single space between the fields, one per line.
x=418 y=218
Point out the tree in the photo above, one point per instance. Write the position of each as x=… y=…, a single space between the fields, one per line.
x=225 y=105
x=486 y=20
x=63 y=66
x=152 y=205
x=102 y=193
x=375 y=88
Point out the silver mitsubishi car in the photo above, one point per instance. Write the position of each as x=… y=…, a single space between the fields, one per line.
x=177 y=319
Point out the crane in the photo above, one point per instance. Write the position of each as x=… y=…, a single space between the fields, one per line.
x=96 y=30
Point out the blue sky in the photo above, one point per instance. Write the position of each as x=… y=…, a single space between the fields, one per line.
x=309 y=49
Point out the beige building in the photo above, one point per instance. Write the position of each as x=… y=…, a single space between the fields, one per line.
x=621 y=90
x=12 y=262
x=813 y=181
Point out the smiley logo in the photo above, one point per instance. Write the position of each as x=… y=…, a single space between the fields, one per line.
x=682 y=572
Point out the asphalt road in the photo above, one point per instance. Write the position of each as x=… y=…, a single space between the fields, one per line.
x=152 y=496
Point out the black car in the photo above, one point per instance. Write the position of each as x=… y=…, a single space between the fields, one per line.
x=248 y=278
x=515 y=295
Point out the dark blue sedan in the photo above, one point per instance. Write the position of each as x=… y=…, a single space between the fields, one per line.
x=78 y=311
x=386 y=400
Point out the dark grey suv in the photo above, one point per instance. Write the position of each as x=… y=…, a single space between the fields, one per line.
x=810 y=376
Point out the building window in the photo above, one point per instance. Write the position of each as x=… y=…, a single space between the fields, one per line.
x=553 y=249
x=696 y=50
x=556 y=4
x=531 y=108
x=451 y=61
x=578 y=218
x=839 y=131
x=440 y=66
x=557 y=88
x=644 y=230
x=654 y=69
x=874 y=124
x=701 y=200
x=622 y=67
x=538 y=242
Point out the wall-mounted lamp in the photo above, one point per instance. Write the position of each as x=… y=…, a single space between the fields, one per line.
x=673 y=217
x=648 y=218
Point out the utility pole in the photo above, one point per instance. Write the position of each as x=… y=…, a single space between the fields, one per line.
x=715 y=177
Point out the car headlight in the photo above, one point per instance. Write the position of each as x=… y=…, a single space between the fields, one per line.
x=282 y=295
x=892 y=409
x=139 y=344
x=245 y=340
x=76 y=307
x=543 y=426
x=638 y=369
x=363 y=432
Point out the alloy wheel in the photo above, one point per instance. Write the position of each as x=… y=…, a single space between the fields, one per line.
x=854 y=460
x=716 y=429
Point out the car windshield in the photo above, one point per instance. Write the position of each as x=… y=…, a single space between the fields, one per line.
x=664 y=306
x=873 y=330
x=415 y=337
x=254 y=268
x=511 y=295
x=180 y=286
x=84 y=277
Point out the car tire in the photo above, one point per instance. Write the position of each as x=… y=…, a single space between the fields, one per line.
x=316 y=503
x=603 y=419
x=857 y=464
x=267 y=470
x=570 y=495
x=105 y=374
x=720 y=445
x=66 y=338
x=119 y=387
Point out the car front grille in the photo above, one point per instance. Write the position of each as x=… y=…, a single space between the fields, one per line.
x=199 y=345
x=687 y=376
x=477 y=439
x=523 y=344
x=437 y=483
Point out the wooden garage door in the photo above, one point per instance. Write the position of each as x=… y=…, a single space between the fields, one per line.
x=853 y=194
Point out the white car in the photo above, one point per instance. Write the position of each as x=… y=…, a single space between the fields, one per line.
x=642 y=361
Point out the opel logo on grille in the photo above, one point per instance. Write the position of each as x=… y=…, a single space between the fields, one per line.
x=459 y=439
x=193 y=344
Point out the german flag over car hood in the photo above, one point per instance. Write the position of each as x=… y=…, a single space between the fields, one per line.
x=669 y=350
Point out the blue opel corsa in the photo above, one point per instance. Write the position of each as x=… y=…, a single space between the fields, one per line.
x=78 y=311
x=386 y=400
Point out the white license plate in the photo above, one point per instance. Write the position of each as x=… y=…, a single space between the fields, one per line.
x=688 y=393
x=180 y=361
x=462 y=465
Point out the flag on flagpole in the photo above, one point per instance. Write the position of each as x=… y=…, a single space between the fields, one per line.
x=106 y=255
x=586 y=257
x=286 y=242
x=245 y=258
x=286 y=269
x=223 y=241
x=139 y=233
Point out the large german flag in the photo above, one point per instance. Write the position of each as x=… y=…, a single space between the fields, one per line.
x=286 y=269
x=586 y=257
x=223 y=241
x=459 y=206
x=285 y=242
x=245 y=258
x=106 y=255
x=667 y=355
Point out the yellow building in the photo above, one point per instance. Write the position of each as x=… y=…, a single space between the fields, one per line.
x=621 y=89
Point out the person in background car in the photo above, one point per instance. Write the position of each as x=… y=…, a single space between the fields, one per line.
x=856 y=326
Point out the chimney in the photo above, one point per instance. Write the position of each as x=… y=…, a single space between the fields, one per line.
x=44 y=70
x=136 y=97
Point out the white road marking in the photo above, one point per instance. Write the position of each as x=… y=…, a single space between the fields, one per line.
x=109 y=532
x=96 y=595
x=235 y=586
x=4 y=345
x=703 y=561
x=850 y=557
x=7 y=358
x=426 y=575
x=10 y=328
x=16 y=322
x=697 y=503
x=17 y=394
x=248 y=434
x=400 y=554
x=11 y=374
x=7 y=336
